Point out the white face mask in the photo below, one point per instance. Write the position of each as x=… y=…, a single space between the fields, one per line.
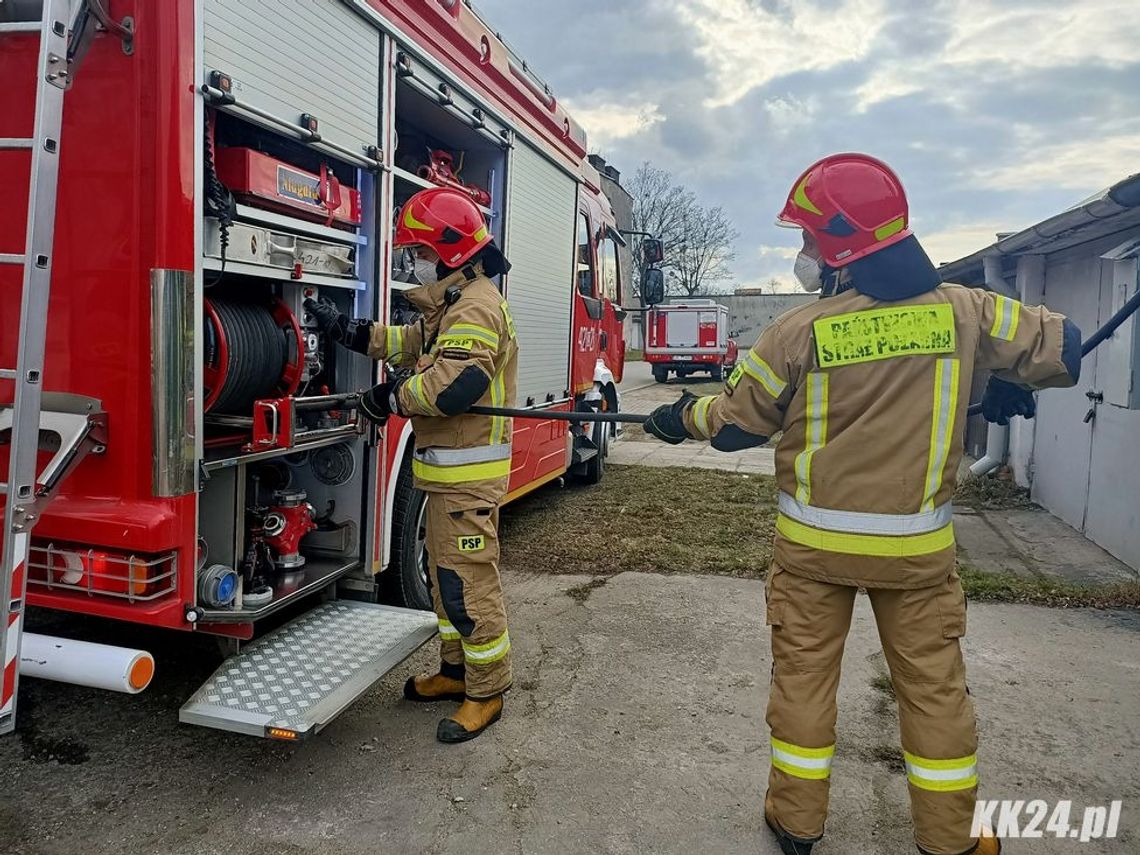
x=808 y=272
x=425 y=272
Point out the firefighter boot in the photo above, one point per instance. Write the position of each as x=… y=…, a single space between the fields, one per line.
x=987 y=845
x=447 y=685
x=470 y=720
x=789 y=845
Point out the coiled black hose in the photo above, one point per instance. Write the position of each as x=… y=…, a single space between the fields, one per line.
x=258 y=351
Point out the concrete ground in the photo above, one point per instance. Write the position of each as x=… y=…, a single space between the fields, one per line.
x=636 y=725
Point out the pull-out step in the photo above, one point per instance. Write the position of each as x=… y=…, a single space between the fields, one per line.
x=295 y=680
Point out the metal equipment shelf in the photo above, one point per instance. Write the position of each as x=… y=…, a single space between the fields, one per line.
x=291 y=586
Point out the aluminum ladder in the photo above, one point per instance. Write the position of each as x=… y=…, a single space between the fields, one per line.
x=69 y=426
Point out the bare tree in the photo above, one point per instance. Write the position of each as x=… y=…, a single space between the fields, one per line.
x=703 y=257
x=659 y=207
x=697 y=241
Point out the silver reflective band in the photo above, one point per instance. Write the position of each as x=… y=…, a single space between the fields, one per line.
x=462 y=456
x=854 y=522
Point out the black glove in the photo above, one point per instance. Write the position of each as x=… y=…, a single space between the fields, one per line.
x=381 y=401
x=667 y=422
x=353 y=334
x=1003 y=400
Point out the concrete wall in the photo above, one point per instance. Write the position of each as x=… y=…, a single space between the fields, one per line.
x=749 y=314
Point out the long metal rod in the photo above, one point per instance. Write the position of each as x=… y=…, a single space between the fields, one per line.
x=1096 y=339
x=560 y=415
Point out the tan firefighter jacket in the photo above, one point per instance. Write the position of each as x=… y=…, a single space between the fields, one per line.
x=464 y=354
x=871 y=397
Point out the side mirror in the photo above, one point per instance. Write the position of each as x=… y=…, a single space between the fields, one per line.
x=653 y=287
x=652 y=251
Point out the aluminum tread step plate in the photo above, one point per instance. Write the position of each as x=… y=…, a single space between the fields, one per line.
x=295 y=680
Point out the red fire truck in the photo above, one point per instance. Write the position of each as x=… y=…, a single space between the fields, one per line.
x=221 y=161
x=688 y=337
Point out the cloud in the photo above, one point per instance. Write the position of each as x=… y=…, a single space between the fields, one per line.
x=606 y=122
x=1072 y=165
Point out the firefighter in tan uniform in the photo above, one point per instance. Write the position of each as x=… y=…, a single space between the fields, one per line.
x=870 y=388
x=463 y=352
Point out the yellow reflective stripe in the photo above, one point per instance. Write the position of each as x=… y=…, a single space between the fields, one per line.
x=701 y=416
x=815 y=432
x=1006 y=318
x=412 y=223
x=813 y=764
x=492 y=651
x=507 y=319
x=488 y=336
x=498 y=397
x=941 y=427
x=800 y=197
x=876 y=545
x=892 y=228
x=416 y=386
x=447 y=630
x=394 y=340
x=942 y=776
x=461 y=474
x=762 y=373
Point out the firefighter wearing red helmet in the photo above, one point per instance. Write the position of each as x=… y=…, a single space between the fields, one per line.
x=463 y=352
x=868 y=388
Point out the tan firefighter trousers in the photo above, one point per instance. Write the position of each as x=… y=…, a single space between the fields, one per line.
x=463 y=553
x=920 y=631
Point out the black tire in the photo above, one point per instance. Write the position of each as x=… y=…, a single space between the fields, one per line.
x=717 y=373
x=661 y=375
x=405 y=580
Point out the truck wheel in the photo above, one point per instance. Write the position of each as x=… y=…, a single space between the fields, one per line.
x=717 y=373
x=406 y=579
x=660 y=374
x=595 y=467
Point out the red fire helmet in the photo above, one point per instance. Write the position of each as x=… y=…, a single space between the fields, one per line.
x=445 y=220
x=852 y=204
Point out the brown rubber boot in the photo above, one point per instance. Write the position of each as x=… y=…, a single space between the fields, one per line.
x=427 y=689
x=470 y=720
x=988 y=845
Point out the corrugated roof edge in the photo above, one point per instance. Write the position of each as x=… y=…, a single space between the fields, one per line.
x=1112 y=209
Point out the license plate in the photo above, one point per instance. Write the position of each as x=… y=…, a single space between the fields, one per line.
x=683 y=358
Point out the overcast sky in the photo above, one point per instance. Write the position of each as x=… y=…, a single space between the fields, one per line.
x=995 y=113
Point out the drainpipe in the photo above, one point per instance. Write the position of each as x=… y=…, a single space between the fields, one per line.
x=997 y=436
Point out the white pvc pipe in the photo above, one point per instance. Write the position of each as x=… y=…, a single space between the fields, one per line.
x=100 y=666
x=997 y=444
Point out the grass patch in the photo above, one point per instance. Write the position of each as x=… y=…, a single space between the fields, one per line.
x=635 y=356
x=1008 y=588
x=647 y=520
x=992 y=494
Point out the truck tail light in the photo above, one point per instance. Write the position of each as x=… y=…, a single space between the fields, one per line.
x=98 y=571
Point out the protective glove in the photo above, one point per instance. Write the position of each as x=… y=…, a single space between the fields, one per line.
x=381 y=401
x=1003 y=400
x=667 y=422
x=353 y=334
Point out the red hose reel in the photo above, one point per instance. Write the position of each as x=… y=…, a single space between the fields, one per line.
x=254 y=350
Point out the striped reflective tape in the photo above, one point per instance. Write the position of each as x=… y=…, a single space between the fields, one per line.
x=875 y=545
x=858 y=522
x=492 y=651
x=941 y=427
x=762 y=373
x=488 y=336
x=507 y=319
x=499 y=424
x=461 y=474
x=461 y=456
x=447 y=630
x=416 y=387
x=15 y=619
x=394 y=341
x=815 y=432
x=701 y=416
x=1006 y=316
x=942 y=776
x=812 y=764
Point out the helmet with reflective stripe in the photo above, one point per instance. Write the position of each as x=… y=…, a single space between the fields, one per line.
x=445 y=220
x=852 y=204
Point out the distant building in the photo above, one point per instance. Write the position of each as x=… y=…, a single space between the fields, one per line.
x=1079 y=456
